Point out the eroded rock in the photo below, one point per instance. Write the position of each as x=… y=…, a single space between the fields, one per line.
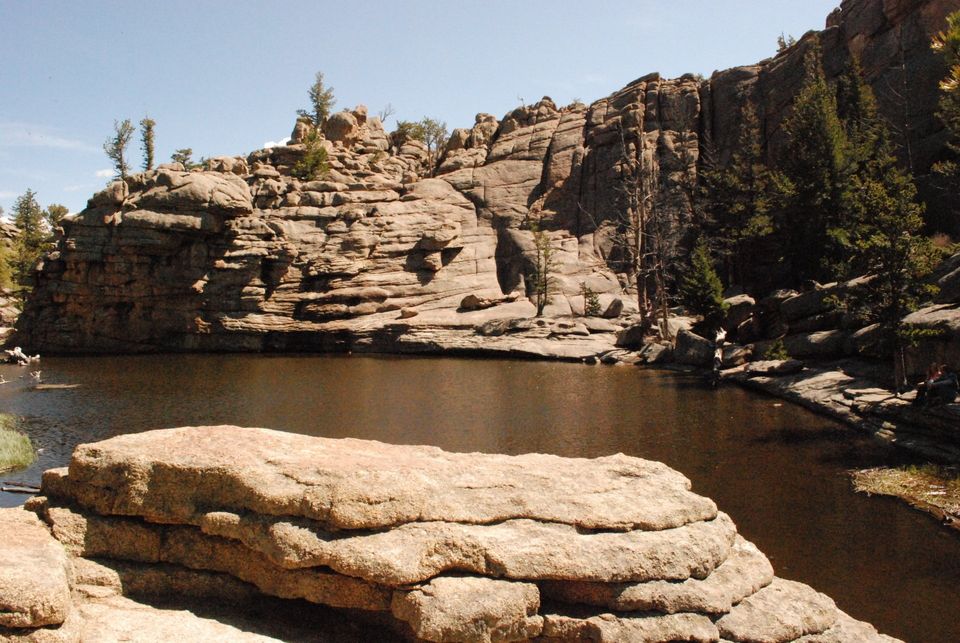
x=471 y=609
x=175 y=475
x=621 y=546
x=34 y=573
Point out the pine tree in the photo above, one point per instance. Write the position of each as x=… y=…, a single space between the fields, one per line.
x=321 y=102
x=146 y=141
x=314 y=164
x=741 y=198
x=54 y=214
x=115 y=146
x=815 y=225
x=31 y=236
x=887 y=240
x=946 y=172
x=543 y=266
x=184 y=157
x=701 y=290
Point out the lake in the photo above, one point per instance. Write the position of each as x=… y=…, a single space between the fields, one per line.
x=780 y=471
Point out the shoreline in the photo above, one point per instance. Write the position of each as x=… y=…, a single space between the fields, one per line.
x=844 y=390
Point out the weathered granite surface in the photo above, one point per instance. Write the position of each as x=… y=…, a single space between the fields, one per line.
x=375 y=256
x=440 y=546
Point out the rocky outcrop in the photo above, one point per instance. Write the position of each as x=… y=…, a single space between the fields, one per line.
x=445 y=546
x=374 y=255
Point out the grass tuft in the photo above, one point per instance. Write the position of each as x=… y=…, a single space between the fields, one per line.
x=931 y=487
x=16 y=452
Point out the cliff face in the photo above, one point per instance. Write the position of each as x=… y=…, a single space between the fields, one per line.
x=242 y=256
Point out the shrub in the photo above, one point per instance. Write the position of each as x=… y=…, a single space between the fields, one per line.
x=591 y=301
x=776 y=351
x=314 y=164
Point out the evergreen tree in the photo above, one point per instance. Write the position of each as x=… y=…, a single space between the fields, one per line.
x=314 y=163
x=321 y=102
x=701 y=290
x=6 y=259
x=53 y=214
x=184 y=157
x=815 y=225
x=431 y=132
x=740 y=199
x=116 y=146
x=946 y=172
x=31 y=236
x=146 y=141
x=947 y=44
x=435 y=135
x=887 y=240
x=542 y=278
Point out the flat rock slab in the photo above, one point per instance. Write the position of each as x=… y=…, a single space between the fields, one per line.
x=609 y=628
x=780 y=612
x=745 y=571
x=34 y=573
x=117 y=618
x=471 y=609
x=518 y=549
x=131 y=540
x=173 y=475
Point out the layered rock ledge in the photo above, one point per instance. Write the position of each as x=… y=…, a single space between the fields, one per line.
x=389 y=251
x=438 y=546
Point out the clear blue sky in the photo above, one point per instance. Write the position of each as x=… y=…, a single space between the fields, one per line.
x=225 y=76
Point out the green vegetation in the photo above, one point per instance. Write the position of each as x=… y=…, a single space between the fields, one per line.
x=146 y=141
x=929 y=487
x=314 y=164
x=116 y=146
x=32 y=237
x=35 y=228
x=884 y=233
x=431 y=132
x=776 y=351
x=946 y=171
x=591 y=301
x=16 y=452
x=815 y=223
x=321 y=102
x=785 y=42
x=54 y=214
x=184 y=156
x=701 y=290
x=541 y=279
x=740 y=200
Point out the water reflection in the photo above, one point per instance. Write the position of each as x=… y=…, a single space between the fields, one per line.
x=776 y=468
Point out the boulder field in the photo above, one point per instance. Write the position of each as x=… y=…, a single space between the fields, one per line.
x=429 y=545
x=388 y=251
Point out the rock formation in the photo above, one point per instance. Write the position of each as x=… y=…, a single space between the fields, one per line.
x=442 y=546
x=375 y=255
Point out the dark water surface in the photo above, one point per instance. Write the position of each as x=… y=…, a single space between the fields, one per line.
x=779 y=471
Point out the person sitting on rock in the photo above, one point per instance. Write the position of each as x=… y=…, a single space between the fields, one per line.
x=934 y=371
x=944 y=389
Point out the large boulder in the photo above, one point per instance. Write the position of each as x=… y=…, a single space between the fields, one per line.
x=444 y=546
x=693 y=350
x=193 y=191
x=342 y=127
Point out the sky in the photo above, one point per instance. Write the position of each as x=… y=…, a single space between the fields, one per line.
x=224 y=77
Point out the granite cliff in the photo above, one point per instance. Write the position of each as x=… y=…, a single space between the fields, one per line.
x=386 y=253
x=436 y=546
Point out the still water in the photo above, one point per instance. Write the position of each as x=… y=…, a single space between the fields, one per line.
x=778 y=470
